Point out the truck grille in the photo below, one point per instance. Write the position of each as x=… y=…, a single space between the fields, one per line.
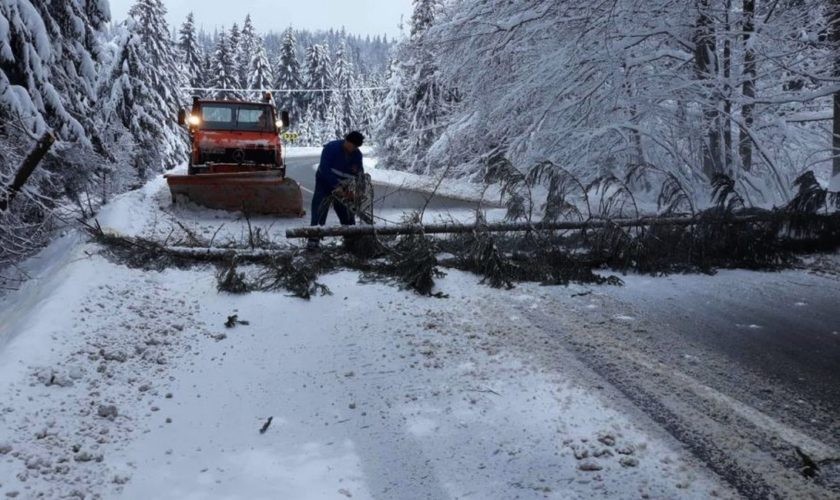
x=239 y=156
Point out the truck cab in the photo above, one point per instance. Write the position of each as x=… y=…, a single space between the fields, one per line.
x=234 y=136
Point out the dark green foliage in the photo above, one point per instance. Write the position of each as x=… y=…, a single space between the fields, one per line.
x=562 y=186
x=230 y=280
x=294 y=272
x=482 y=256
x=673 y=197
x=811 y=197
x=136 y=252
x=413 y=261
x=504 y=259
x=616 y=197
x=724 y=194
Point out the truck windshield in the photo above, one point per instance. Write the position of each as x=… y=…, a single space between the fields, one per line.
x=237 y=117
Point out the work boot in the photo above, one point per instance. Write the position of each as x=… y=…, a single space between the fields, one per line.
x=313 y=245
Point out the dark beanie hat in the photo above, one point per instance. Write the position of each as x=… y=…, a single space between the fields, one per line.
x=355 y=138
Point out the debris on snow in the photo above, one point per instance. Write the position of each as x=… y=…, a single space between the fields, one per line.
x=266 y=425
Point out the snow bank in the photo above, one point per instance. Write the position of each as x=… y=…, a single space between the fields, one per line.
x=457 y=189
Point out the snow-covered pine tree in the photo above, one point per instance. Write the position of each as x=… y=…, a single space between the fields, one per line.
x=190 y=52
x=416 y=101
x=306 y=128
x=74 y=28
x=365 y=104
x=423 y=16
x=392 y=127
x=336 y=123
x=224 y=69
x=259 y=70
x=45 y=77
x=249 y=43
x=319 y=79
x=143 y=94
x=344 y=99
x=208 y=73
x=288 y=76
x=234 y=38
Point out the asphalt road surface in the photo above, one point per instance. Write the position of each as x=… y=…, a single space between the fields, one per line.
x=385 y=197
x=742 y=367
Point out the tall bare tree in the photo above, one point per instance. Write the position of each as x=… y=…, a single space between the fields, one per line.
x=748 y=85
x=834 y=29
x=706 y=66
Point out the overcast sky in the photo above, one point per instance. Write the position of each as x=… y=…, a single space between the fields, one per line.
x=374 y=17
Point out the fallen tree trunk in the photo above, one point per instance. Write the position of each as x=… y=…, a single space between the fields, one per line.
x=27 y=167
x=503 y=227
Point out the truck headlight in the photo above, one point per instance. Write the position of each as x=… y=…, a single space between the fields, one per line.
x=279 y=123
x=194 y=120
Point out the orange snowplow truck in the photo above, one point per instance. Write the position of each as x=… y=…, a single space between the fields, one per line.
x=236 y=162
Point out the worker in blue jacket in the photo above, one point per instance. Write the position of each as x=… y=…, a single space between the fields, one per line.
x=341 y=160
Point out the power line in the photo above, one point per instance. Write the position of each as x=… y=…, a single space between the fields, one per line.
x=286 y=91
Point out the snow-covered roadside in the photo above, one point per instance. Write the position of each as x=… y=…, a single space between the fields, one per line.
x=79 y=368
x=149 y=212
x=118 y=380
x=456 y=189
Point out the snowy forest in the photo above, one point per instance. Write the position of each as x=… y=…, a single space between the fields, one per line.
x=109 y=93
x=684 y=90
x=689 y=89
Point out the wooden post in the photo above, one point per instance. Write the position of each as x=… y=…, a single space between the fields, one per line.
x=27 y=167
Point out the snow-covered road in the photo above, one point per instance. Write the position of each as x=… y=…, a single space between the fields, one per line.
x=127 y=383
x=123 y=383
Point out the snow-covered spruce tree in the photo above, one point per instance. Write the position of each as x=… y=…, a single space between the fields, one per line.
x=224 y=69
x=48 y=60
x=344 y=100
x=259 y=70
x=365 y=104
x=319 y=80
x=142 y=94
x=190 y=53
x=417 y=101
x=234 y=39
x=208 y=73
x=287 y=75
x=332 y=126
x=308 y=129
x=74 y=29
x=249 y=43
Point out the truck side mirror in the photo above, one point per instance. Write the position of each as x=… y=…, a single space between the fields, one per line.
x=287 y=121
x=182 y=117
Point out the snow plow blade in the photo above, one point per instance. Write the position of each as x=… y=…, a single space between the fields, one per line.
x=265 y=193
